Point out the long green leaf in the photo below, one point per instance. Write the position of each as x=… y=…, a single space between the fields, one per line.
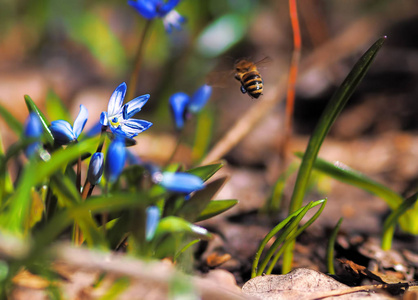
x=206 y=172
x=170 y=225
x=350 y=176
x=274 y=231
x=390 y=222
x=331 y=246
x=216 y=207
x=331 y=112
x=193 y=207
x=45 y=124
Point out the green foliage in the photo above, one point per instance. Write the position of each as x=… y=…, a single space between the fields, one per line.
x=330 y=114
x=287 y=235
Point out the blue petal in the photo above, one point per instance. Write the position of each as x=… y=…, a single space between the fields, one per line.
x=181 y=182
x=115 y=159
x=134 y=106
x=62 y=132
x=116 y=100
x=166 y=7
x=31 y=149
x=178 y=104
x=146 y=8
x=173 y=19
x=153 y=217
x=95 y=171
x=80 y=121
x=199 y=98
x=33 y=126
x=104 y=118
x=133 y=127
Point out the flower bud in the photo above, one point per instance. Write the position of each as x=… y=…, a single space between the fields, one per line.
x=95 y=171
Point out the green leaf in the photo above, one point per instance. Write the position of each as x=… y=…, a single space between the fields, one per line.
x=171 y=225
x=203 y=134
x=55 y=108
x=331 y=246
x=275 y=230
x=11 y=121
x=45 y=124
x=193 y=207
x=330 y=114
x=350 y=176
x=390 y=222
x=206 y=172
x=34 y=173
x=216 y=207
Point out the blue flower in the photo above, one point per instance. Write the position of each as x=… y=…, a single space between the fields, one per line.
x=95 y=171
x=151 y=9
x=182 y=105
x=199 y=98
x=181 y=182
x=115 y=159
x=153 y=217
x=178 y=105
x=118 y=117
x=63 y=132
x=33 y=129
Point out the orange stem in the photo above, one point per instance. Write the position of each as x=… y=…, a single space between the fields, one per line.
x=293 y=71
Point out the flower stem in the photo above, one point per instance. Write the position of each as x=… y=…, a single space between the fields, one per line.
x=179 y=138
x=138 y=61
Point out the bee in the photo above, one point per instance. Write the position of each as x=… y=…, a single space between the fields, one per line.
x=247 y=74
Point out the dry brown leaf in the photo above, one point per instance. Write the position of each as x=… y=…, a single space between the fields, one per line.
x=215 y=259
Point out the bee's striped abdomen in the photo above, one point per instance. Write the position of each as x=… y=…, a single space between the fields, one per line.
x=252 y=83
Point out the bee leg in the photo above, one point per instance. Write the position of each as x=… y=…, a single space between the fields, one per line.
x=243 y=90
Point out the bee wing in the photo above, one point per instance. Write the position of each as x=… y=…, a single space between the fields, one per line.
x=264 y=62
x=220 y=79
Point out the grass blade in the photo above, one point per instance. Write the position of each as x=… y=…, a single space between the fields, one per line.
x=45 y=124
x=331 y=112
x=390 y=222
x=331 y=246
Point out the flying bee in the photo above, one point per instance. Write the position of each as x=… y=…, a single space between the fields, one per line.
x=247 y=74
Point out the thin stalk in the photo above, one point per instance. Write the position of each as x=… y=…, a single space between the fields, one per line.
x=293 y=73
x=78 y=179
x=179 y=139
x=331 y=246
x=138 y=61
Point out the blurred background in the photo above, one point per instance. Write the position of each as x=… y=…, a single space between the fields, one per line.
x=81 y=50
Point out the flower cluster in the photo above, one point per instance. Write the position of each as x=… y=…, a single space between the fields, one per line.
x=182 y=105
x=151 y=9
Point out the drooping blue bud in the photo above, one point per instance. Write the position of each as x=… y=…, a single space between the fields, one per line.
x=199 y=98
x=115 y=159
x=181 y=182
x=64 y=133
x=178 y=105
x=33 y=129
x=95 y=171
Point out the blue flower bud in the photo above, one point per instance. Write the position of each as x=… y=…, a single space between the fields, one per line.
x=178 y=105
x=115 y=159
x=64 y=133
x=181 y=182
x=199 y=98
x=33 y=129
x=153 y=217
x=95 y=171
